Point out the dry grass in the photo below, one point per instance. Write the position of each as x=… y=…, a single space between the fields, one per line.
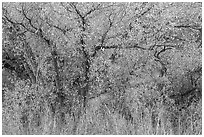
x=104 y=122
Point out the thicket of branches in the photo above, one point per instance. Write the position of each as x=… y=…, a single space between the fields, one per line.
x=101 y=68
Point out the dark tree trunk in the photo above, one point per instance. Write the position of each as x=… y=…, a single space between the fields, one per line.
x=86 y=66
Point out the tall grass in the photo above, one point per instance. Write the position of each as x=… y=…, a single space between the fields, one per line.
x=102 y=120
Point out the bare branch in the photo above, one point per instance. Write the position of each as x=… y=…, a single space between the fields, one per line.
x=148 y=9
x=194 y=27
x=161 y=45
x=29 y=20
x=92 y=10
x=120 y=46
x=143 y=12
x=65 y=7
x=63 y=30
x=157 y=53
x=77 y=11
x=17 y=23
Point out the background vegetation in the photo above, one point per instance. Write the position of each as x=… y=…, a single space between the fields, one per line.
x=102 y=68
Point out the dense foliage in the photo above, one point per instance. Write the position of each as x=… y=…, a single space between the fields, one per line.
x=102 y=68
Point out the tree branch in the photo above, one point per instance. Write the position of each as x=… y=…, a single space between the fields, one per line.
x=17 y=23
x=198 y=28
x=119 y=46
x=29 y=20
x=91 y=10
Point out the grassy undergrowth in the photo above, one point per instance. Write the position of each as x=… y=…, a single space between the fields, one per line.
x=103 y=121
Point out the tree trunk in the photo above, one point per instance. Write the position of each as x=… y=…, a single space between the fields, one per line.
x=86 y=65
x=57 y=111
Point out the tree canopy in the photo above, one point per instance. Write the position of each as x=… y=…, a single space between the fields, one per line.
x=70 y=54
